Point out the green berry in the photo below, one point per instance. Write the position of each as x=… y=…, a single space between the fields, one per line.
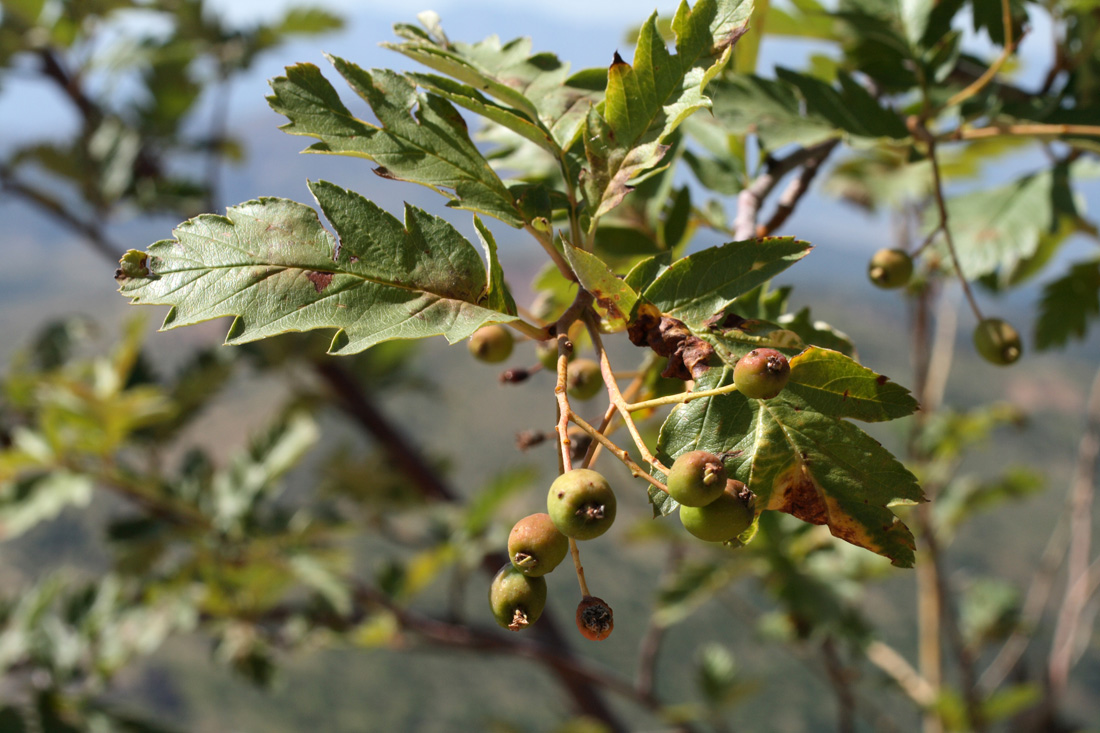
x=696 y=478
x=997 y=341
x=491 y=344
x=761 y=374
x=890 y=268
x=723 y=519
x=583 y=380
x=516 y=599
x=581 y=504
x=535 y=546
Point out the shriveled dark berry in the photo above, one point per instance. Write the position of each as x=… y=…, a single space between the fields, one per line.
x=595 y=619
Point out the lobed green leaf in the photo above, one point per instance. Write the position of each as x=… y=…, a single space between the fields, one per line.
x=271 y=264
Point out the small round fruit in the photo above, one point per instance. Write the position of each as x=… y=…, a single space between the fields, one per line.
x=535 y=546
x=761 y=373
x=583 y=379
x=997 y=341
x=547 y=354
x=890 y=268
x=491 y=344
x=595 y=620
x=581 y=504
x=696 y=478
x=516 y=599
x=721 y=520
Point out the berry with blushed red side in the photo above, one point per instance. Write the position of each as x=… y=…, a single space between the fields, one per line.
x=491 y=344
x=890 y=268
x=997 y=341
x=581 y=504
x=723 y=519
x=516 y=600
x=761 y=374
x=696 y=478
x=595 y=620
x=583 y=380
x=535 y=546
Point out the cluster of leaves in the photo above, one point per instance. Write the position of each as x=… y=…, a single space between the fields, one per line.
x=271 y=265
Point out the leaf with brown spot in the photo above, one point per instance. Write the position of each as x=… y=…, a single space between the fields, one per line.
x=614 y=298
x=272 y=265
x=802 y=459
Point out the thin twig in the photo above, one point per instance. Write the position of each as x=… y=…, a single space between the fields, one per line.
x=1082 y=490
x=981 y=81
x=887 y=659
x=796 y=190
x=1029 y=129
x=841 y=684
x=617 y=397
x=750 y=198
x=635 y=470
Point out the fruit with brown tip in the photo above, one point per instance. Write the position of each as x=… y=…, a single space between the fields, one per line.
x=595 y=620
x=516 y=600
x=761 y=374
x=696 y=478
x=581 y=504
x=535 y=546
x=997 y=341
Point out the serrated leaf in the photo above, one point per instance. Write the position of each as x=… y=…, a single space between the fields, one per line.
x=497 y=295
x=699 y=285
x=995 y=228
x=835 y=385
x=1068 y=305
x=270 y=263
x=770 y=109
x=613 y=296
x=466 y=96
x=647 y=100
x=642 y=275
x=798 y=460
x=423 y=139
x=852 y=109
x=537 y=87
x=818 y=333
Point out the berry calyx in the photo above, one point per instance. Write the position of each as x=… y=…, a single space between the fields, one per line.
x=761 y=374
x=491 y=344
x=595 y=620
x=581 y=504
x=723 y=519
x=583 y=380
x=997 y=341
x=516 y=600
x=696 y=478
x=535 y=546
x=890 y=268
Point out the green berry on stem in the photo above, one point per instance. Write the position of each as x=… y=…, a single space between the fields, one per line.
x=997 y=341
x=535 y=546
x=696 y=478
x=581 y=504
x=890 y=268
x=491 y=344
x=583 y=380
x=723 y=519
x=516 y=599
x=761 y=374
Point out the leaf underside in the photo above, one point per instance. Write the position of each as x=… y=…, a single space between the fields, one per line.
x=270 y=263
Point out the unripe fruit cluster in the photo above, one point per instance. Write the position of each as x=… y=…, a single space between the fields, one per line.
x=713 y=508
x=580 y=505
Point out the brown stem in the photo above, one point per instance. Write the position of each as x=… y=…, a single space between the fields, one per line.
x=750 y=199
x=842 y=688
x=1080 y=542
x=796 y=189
